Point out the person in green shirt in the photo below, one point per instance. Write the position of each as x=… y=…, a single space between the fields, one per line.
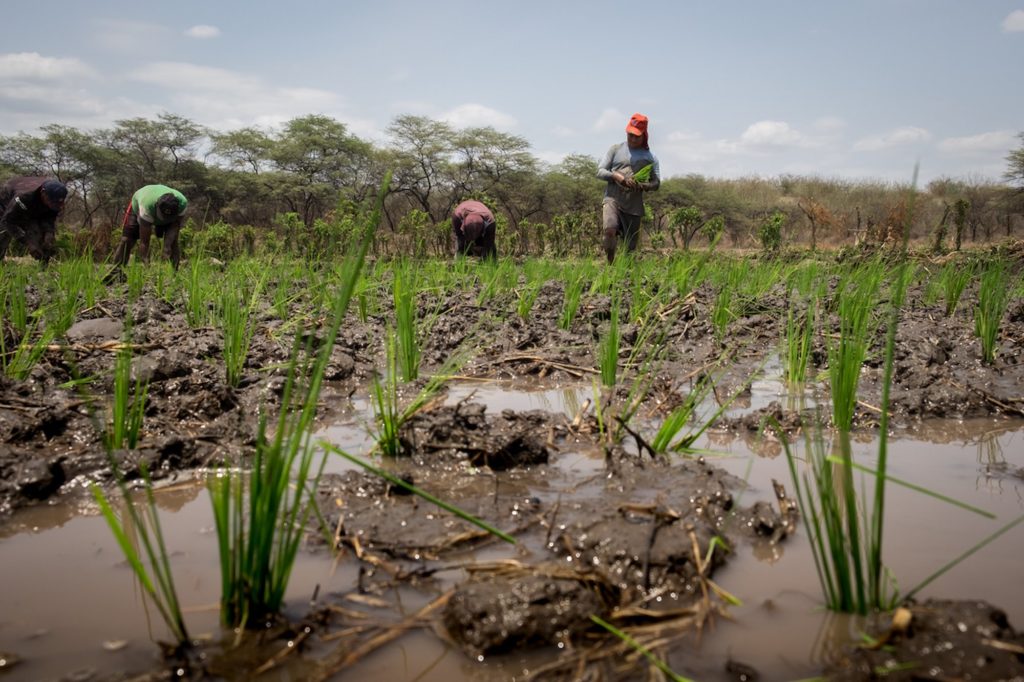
x=154 y=209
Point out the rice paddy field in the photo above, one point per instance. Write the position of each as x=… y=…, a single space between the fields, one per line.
x=704 y=465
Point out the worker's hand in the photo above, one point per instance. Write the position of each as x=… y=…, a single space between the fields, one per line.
x=630 y=183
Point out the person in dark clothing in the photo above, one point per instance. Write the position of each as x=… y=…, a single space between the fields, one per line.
x=28 y=213
x=623 y=206
x=154 y=209
x=474 y=226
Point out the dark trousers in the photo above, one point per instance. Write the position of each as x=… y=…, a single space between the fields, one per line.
x=136 y=230
x=38 y=240
x=474 y=241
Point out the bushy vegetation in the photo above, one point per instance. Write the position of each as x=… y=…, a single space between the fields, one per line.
x=302 y=190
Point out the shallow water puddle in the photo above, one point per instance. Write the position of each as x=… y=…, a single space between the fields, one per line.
x=980 y=463
x=69 y=602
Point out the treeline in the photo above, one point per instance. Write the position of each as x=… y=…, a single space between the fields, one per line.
x=303 y=187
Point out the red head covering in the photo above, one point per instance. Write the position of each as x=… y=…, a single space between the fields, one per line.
x=638 y=126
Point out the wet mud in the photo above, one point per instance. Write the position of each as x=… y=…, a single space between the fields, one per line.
x=638 y=542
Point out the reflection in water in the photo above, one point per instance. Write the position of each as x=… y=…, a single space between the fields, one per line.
x=77 y=501
x=65 y=577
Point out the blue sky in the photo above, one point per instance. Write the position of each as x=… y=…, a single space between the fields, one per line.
x=853 y=90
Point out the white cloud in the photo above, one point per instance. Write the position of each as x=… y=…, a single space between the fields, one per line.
x=34 y=66
x=227 y=99
x=1014 y=21
x=477 y=115
x=203 y=31
x=36 y=90
x=771 y=134
x=894 y=138
x=983 y=143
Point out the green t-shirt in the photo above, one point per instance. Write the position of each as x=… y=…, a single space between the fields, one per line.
x=144 y=203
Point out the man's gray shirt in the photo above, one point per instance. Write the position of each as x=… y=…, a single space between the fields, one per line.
x=620 y=158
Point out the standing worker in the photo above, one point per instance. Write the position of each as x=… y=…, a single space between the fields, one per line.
x=154 y=209
x=630 y=169
x=28 y=212
x=473 y=224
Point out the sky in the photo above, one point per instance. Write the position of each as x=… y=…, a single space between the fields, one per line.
x=854 y=90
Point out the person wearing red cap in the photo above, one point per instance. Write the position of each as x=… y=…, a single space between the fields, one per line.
x=473 y=225
x=28 y=212
x=623 y=206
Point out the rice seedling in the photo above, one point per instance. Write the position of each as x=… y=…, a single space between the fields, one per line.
x=197 y=292
x=573 y=293
x=644 y=174
x=646 y=355
x=498 y=276
x=363 y=292
x=665 y=439
x=384 y=396
x=388 y=413
x=805 y=279
x=954 y=279
x=13 y=304
x=129 y=406
x=608 y=349
x=642 y=299
x=721 y=312
x=993 y=297
x=830 y=513
x=260 y=519
x=527 y=296
x=155 y=576
x=857 y=299
x=237 y=328
x=135 y=274
x=799 y=341
x=846 y=532
x=408 y=347
x=73 y=289
x=19 y=361
x=729 y=279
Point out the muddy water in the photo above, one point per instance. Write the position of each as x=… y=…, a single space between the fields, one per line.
x=69 y=603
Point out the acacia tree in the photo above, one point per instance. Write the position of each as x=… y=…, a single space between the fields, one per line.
x=1015 y=171
x=319 y=158
x=246 y=149
x=494 y=164
x=420 y=159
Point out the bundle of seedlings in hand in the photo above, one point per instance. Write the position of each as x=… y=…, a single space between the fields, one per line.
x=644 y=174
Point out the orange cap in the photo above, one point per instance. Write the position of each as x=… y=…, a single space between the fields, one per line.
x=637 y=125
